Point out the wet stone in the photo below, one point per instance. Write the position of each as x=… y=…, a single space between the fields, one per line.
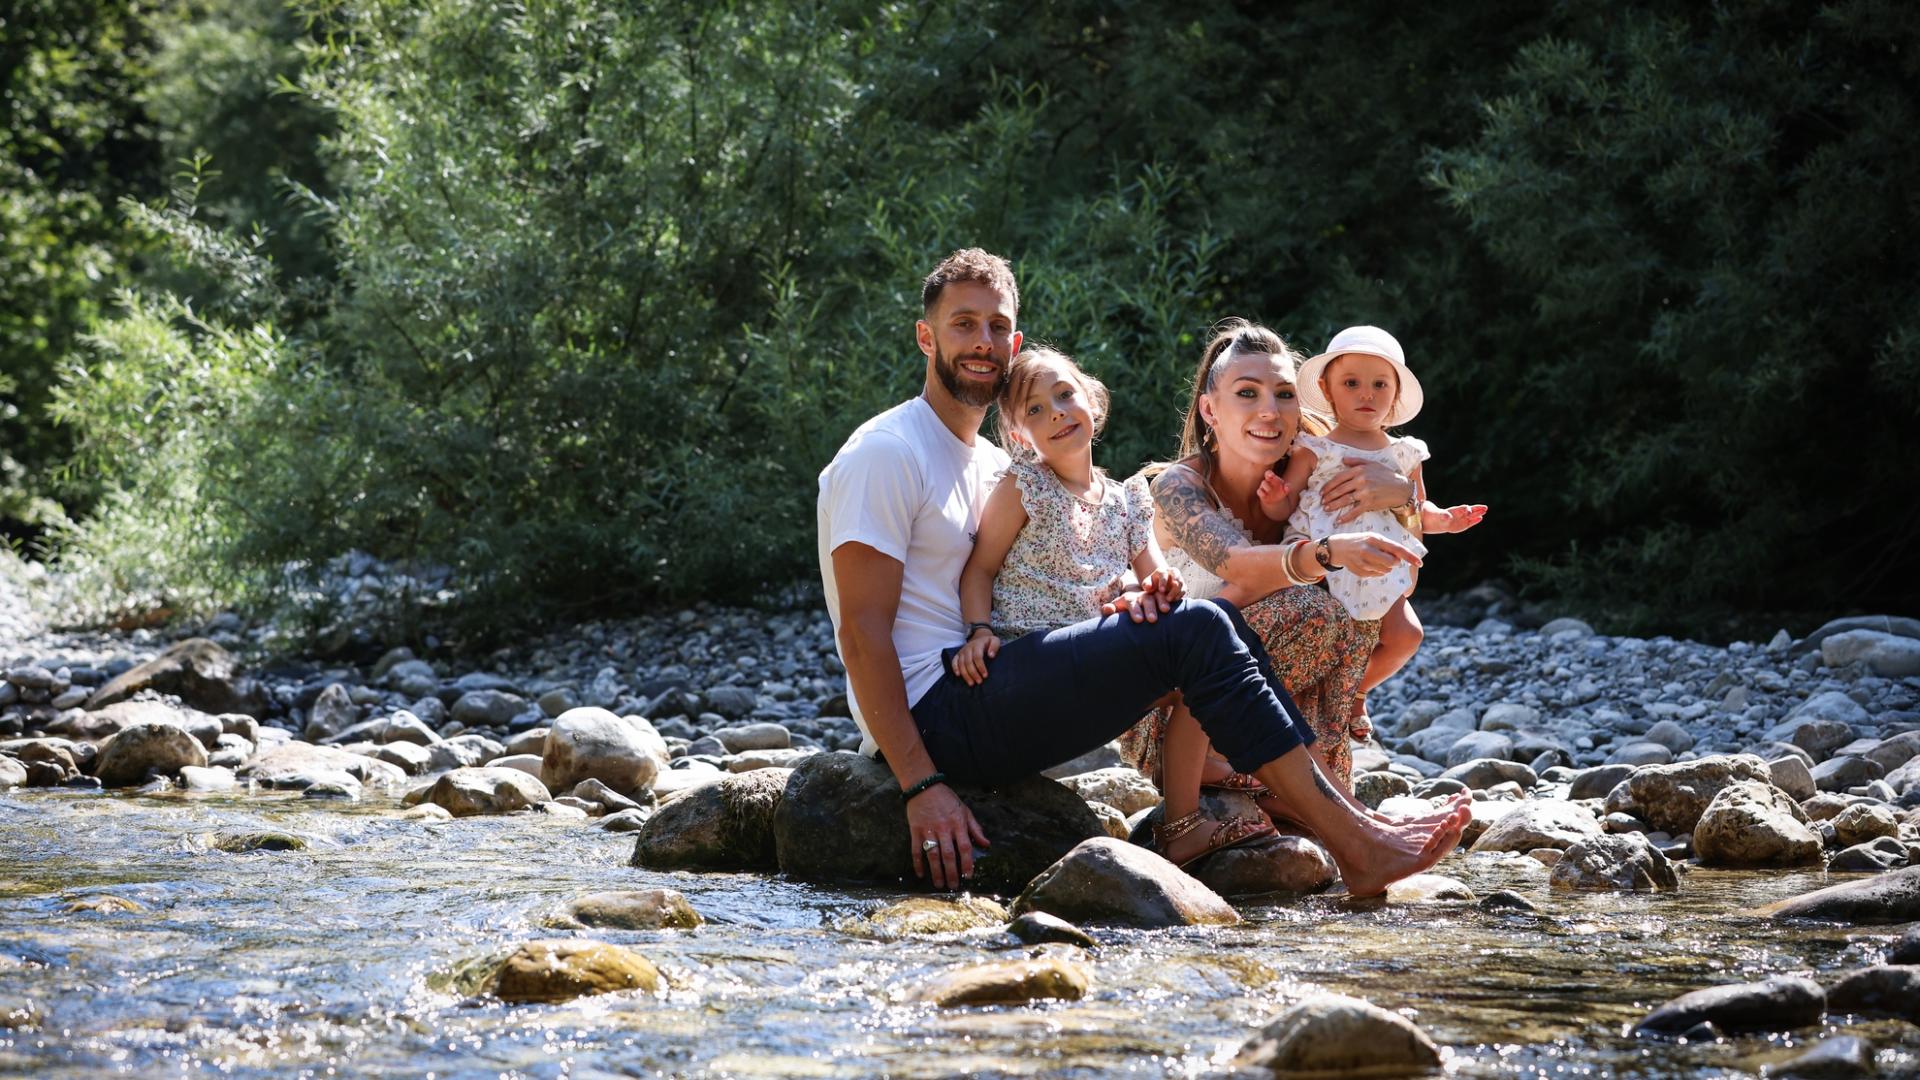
x=1507 y=900
x=1782 y=1003
x=638 y=909
x=104 y=904
x=1882 y=990
x=1335 y=1035
x=1039 y=928
x=237 y=843
x=1838 y=1057
x=560 y=970
x=1007 y=982
x=1907 y=949
x=921 y=915
x=1110 y=882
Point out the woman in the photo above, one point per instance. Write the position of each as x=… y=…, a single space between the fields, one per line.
x=1241 y=422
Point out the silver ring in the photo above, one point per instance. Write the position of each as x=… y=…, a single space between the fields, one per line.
x=929 y=844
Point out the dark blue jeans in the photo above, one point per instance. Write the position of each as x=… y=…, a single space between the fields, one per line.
x=1050 y=697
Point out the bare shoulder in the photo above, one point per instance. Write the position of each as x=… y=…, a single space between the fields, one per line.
x=1178 y=482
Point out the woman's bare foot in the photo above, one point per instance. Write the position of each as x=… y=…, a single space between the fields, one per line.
x=1370 y=859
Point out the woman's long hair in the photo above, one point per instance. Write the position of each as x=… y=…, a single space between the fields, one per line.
x=1241 y=336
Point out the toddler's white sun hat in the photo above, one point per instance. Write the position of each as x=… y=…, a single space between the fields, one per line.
x=1372 y=341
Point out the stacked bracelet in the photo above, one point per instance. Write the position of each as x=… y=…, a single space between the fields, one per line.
x=925 y=782
x=1286 y=564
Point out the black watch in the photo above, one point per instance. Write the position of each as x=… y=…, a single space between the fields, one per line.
x=1323 y=554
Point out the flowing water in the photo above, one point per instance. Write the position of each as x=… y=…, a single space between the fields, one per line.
x=344 y=959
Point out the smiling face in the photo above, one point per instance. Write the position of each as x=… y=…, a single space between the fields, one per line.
x=1054 y=414
x=1361 y=388
x=1252 y=408
x=968 y=339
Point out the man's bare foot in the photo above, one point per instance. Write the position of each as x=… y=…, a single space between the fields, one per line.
x=1371 y=860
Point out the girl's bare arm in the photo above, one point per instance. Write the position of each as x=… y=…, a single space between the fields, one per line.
x=1000 y=522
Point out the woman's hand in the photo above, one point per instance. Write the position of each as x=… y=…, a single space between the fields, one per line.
x=970 y=663
x=1368 y=554
x=1365 y=484
x=1451 y=520
x=937 y=814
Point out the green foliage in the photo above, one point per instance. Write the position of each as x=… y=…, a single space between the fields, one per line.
x=1714 y=252
x=575 y=298
x=72 y=141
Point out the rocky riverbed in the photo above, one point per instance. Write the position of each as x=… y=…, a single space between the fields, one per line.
x=590 y=850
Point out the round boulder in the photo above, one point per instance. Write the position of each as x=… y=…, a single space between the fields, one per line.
x=1539 y=823
x=841 y=819
x=724 y=825
x=637 y=909
x=474 y=791
x=1335 y=1035
x=1007 y=982
x=1671 y=798
x=560 y=970
x=623 y=752
x=128 y=757
x=1110 y=882
x=1754 y=824
x=1627 y=862
x=1782 y=1003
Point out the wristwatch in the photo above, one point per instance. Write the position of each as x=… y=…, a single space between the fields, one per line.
x=1323 y=553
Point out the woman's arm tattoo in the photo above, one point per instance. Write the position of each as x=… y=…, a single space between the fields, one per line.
x=1193 y=522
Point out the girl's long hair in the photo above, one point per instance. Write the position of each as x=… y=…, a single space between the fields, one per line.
x=1021 y=371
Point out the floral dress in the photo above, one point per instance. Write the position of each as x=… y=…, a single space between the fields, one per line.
x=1370 y=597
x=1072 y=555
x=1318 y=652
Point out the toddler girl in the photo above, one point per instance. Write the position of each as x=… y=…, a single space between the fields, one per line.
x=1362 y=379
x=1057 y=539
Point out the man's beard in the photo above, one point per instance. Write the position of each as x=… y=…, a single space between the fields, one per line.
x=969 y=393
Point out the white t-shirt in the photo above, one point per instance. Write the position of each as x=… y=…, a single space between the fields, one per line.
x=905 y=486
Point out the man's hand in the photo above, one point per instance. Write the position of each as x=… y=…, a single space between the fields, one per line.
x=970 y=663
x=1451 y=520
x=937 y=814
x=1364 y=485
x=1368 y=554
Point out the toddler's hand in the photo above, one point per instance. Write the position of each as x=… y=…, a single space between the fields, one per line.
x=1166 y=581
x=1453 y=519
x=970 y=663
x=1275 y=497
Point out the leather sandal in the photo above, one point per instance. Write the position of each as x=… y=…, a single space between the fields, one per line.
x=1237 y=781
x=1232 y=832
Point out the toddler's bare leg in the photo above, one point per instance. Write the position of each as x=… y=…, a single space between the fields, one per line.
x=1400 y=637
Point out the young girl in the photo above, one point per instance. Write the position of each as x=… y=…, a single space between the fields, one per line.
x=1362 y=379
x=1057 y=538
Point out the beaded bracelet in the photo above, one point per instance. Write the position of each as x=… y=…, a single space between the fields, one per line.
x=928 y=781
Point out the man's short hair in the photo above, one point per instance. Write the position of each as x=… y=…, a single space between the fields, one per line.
x=970 y=264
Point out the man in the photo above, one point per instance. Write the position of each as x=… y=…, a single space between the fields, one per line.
x=898 y=508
